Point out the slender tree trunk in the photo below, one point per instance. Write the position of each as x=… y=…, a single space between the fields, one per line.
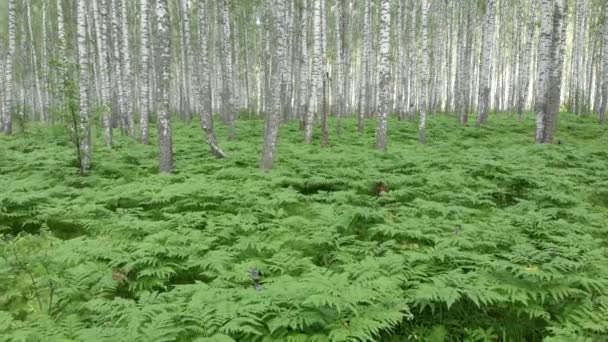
x=304 y=71
x=557 y=60
x=2 y=88
x=423 y=75
x=116 y=67
x=544 y=67
x=604 y=90
x=486 y=58
x=524 y=69
x=186 y=59
x=227 y=70
x=339 y=64
x=45 y=62
x=144 y=106
x=365 y=66
x=83 y=85
x=273 y=118
x=205 y=82
x=37 y=101
x=384 y=69
x=101 y=28
x=8 y=74
x=164 y=65
x=550 y=65
x=316 y=69
x=413 y=65
x=125 y=61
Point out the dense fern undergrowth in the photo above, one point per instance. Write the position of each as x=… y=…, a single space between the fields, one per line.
x=482 y=236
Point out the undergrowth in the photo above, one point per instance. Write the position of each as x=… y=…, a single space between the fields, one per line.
x=481 y=236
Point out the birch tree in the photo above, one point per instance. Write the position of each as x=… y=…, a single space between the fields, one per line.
x=544 y=67
x=228 y=110
x=273 y=117
x=604 y=90
x=83 y=85
x=423 y=75
x=484 y=73
x=550 y=62
x=3 y=95
x=165 y=143
x=304 y=70
x=101 y=29
x=316 y=70
x=384 y=69
x=125 y=65
x=186 y=59
x=37 y=101
x=144 y=106
x=206 y=114
x=525 y=62
x=365 y=67
x=8 y=67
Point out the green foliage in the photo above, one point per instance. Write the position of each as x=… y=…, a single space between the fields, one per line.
x=482 y=236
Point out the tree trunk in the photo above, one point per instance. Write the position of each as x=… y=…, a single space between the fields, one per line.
x=524 y=69
x=544 y=67
x=144 y=105
x=304 y=71
x=116 y=67
x=83 y=85
x=37 y=100
x=385 y=77
x=423 y=75
x=205 y=82
x=2 y=88
x=273 y=117
x=101 y=28
x=338 y=94
x=486 y=58
x=164 y=65
x=8 y=66
x=604 y=91
x=125 y=64
x=557 y=60
x=186 y=60
x=228 y=109
x=365 y=67
x=316 y=70
x=550 y=66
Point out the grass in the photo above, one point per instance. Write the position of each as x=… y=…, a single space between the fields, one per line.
x=482 y=236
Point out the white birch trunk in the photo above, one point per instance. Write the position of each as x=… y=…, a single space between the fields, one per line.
x=316 y=69
x=273 y=118
x=486 y=58
x=144 y=105
x=365 y=68
x=228 y=105
x=102 y=59
x=125 y=64
x=37 y=101
x=164 y=65
x=8 y=69
x=544 y=67
x=385 y=77
x=205 y=83
x=423 y=75
x=304 y=70
x=83 y=86
x=604 y=90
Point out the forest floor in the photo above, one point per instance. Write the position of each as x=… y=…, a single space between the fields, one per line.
x=480 y=235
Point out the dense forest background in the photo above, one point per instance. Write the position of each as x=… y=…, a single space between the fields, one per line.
x=129 y=60
x=303 y=170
